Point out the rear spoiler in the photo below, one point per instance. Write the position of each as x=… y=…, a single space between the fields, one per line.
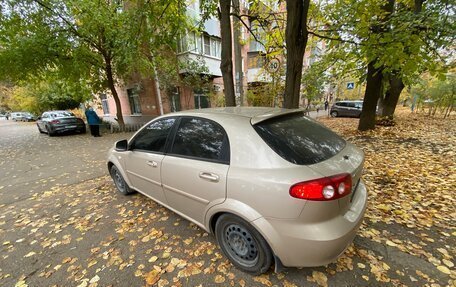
x=276 y=113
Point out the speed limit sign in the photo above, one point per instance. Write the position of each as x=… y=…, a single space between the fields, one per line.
x=273 y=65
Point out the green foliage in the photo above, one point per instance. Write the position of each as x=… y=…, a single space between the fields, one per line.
x=85 y=41
x=404 y=41
x=314 y=80
x=435 y=93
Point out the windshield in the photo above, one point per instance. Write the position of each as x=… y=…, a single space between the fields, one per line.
x=61 y=114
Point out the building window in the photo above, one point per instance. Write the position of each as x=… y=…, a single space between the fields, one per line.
x=216 y=46
x=104 y=104
x=201 y=44
x=201 y=99
x=255 y=61
x=207 y=45
x=133 y=99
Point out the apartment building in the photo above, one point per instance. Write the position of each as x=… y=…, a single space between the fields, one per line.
x=143 y=99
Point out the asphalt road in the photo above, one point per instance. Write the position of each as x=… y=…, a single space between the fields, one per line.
x=31 y=162
x=63 y=224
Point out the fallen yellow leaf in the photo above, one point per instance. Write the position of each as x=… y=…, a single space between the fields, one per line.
x=152 y=277
x=444 y=269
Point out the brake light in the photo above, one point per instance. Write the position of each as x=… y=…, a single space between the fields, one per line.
x=323 y=189
x=55 y=122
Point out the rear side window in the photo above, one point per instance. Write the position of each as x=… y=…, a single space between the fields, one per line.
x=300 y=140
x=153 y=136
x=201 y=138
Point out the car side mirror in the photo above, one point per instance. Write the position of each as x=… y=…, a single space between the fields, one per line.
x=122 y=145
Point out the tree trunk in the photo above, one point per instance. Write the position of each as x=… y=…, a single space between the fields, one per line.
x=396 y=84
x=388 y=104
x=374 y=79
x=238 y=53
x=112 y=87
x=371 y=96
x=226 y=65
x=296 y=41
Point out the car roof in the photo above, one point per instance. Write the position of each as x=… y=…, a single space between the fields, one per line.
x=255 y=114
x=350 y=101
x=58 y=111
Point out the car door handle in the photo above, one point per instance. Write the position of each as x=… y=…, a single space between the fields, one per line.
x=152 y=163
x=209 y=176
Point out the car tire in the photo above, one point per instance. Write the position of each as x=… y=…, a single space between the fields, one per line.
x=49 y=132
x=119 y=181
x=243 y=244
x=334 y=114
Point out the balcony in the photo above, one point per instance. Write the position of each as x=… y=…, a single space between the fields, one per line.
x=211 y=63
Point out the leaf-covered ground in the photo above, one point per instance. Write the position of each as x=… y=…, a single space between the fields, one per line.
x=86 y=234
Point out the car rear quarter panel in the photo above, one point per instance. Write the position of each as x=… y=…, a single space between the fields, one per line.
x=258 y=176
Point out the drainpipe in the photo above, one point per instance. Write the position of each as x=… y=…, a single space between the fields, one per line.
x=157 y=87
x=157 y=90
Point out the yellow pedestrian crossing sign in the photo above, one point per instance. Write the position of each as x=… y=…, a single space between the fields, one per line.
x=350 y=86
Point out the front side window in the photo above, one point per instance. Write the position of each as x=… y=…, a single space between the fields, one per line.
x=153 y=136
x=201 y=138
x=299 y=139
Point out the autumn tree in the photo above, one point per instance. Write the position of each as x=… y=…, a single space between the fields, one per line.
x=393 y=42
x=296 y=41
x=98 y=42
x=226 y=65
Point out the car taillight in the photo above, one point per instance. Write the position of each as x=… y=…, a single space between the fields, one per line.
x=55 y=122
x=326 y=188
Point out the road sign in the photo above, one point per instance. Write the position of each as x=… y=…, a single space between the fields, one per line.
x=273 y=65
x=350 y=86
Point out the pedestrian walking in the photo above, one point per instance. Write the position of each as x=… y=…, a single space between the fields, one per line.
x=326 y=105
x=94 y=122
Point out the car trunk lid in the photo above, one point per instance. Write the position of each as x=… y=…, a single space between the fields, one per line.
x=67 y=120
x=349 y=160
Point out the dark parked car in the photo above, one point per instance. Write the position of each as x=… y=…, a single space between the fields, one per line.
x=346 y=109
x=54 y=122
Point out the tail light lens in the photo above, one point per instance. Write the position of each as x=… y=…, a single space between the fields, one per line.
x=323 y=189
x=55 y=122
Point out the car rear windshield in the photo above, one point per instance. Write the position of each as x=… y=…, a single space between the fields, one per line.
x=61 y=114
x=300 y=140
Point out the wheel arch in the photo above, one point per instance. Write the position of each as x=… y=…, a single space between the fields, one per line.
x=113 y=160
x=230 y=206
x=252 y=217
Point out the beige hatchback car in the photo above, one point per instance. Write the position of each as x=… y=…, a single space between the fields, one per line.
x=272 y=184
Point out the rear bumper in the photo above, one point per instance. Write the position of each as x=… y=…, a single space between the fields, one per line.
x=67 y=128
x=301 y=244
